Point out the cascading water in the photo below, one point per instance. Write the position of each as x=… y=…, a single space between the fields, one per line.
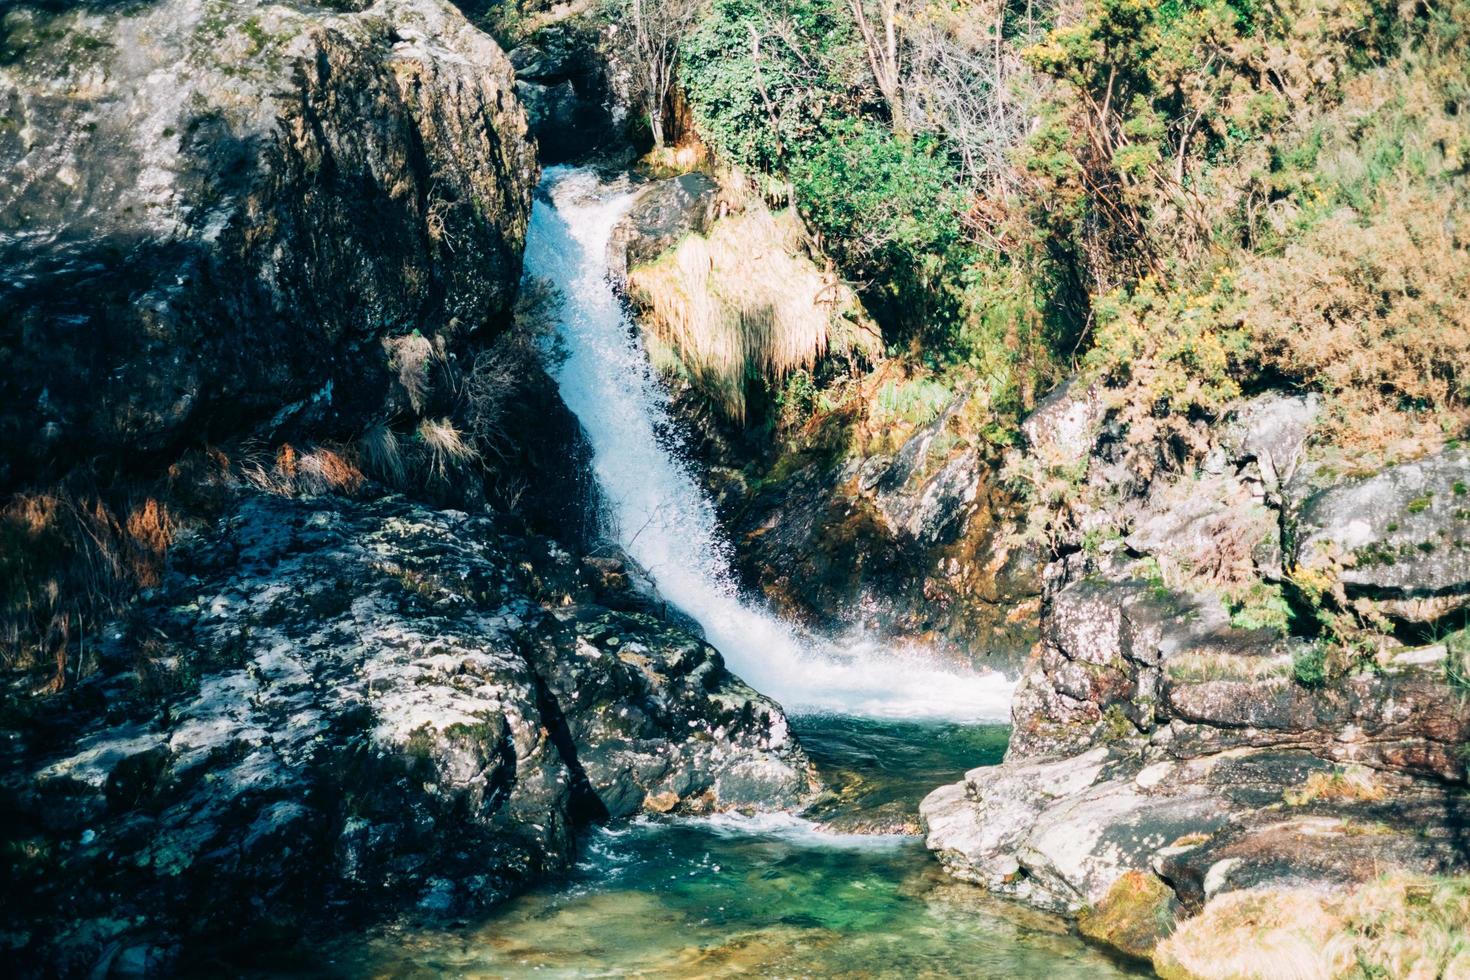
x=663 y=519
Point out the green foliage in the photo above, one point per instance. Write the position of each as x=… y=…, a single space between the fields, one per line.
x=918 y=401
x=1177 y=347
x=759 y=93
x=1262 y=607
x=892 y=206
x=1309 y=666
x=1214 y=195
x=1115 y=724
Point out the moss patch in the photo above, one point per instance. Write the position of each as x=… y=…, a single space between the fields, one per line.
x=1136 y=914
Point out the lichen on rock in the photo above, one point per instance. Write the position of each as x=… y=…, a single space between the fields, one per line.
x=216 y=209
x=368 y=707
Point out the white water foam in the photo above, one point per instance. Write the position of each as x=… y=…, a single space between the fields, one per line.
x=663 y=519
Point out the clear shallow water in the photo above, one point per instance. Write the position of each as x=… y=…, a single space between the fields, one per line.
x=769 y=895
x=662 y=517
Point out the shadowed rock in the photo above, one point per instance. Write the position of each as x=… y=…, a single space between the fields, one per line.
x=216 y=210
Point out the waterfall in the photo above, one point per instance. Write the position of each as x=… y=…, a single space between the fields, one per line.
x=663 y=519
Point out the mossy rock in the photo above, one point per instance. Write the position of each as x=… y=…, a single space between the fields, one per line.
x=1137 y=913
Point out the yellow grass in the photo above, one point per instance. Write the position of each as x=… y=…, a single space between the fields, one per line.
x=1401 y=927
x=748 y=301
x=446 y=446
x=1352 y=783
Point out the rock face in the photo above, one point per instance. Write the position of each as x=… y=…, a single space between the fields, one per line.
x=214 y=210
x=572 y=78
x=1150 y=734
x=1397 y=543
x=914 y=543
x=662 y=213
x=1171 y=742
x=345 y=705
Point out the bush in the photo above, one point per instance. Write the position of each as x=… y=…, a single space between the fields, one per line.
x=890 y=208
x=761 y=77
x=1309 y=666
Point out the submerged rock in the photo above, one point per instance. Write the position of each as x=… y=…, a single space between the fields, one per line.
x=362 y=707
x=219 y=209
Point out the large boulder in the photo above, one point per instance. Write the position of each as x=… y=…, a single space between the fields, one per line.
x=218 y=209
x=1398 y=543
x=358 y=707
x=661 y=214
x=1064 y=426
x=1062 y=834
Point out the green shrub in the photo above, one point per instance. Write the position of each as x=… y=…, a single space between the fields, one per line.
x=1309 y=666
x=760 y=78
x=918 y=401
x=1262 y=607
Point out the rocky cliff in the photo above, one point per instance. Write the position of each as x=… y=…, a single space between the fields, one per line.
x=914 y=540
x=1177 y=737
x=214 y=213
x=259 y=269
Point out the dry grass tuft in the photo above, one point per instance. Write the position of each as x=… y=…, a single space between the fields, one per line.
x=379 y=451
x=66 y=563
x=447 y=447
x=151 y=530
x=1355 y=783
x=286 y=462
x=748 y=301
x=410 y=358
x=1400 y=926
x=326 y=471
x=318 y=470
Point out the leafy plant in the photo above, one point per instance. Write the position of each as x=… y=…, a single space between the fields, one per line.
x=1309 y=666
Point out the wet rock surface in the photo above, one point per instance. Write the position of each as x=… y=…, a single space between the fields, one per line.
x=217 y=211
x=574 y=79
x=1173 y=750
x=357 y=707
x=662 y=213
x=914 y=544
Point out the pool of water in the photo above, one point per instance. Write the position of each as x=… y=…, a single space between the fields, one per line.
x=769 y=895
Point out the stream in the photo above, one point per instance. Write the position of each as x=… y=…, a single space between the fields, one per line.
x=767 y=895
x=771 y=895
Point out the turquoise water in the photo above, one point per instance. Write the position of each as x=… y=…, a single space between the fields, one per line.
x=775 y=896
